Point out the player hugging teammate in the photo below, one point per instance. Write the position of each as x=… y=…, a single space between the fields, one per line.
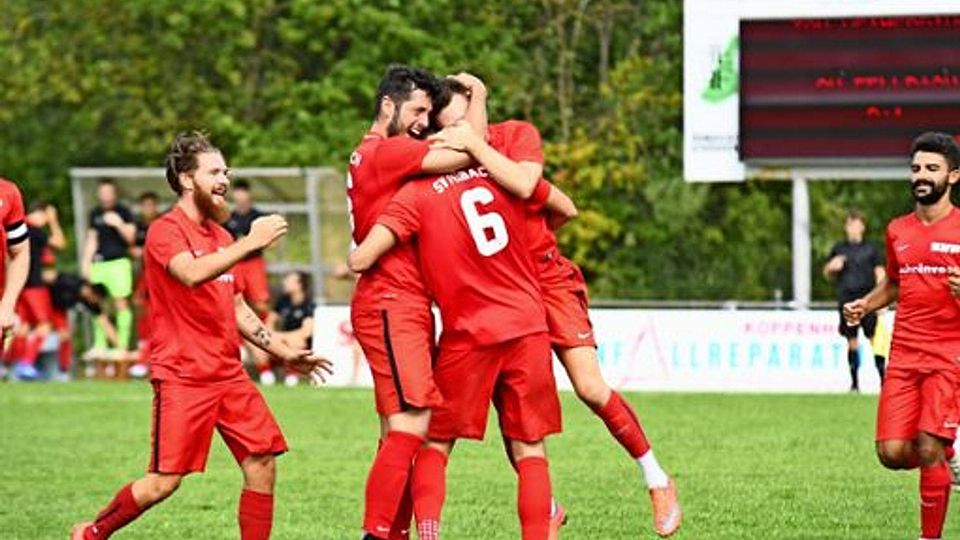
x=476 y=237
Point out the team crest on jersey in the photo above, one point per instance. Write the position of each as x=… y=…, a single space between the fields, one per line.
x=225 y=278
x=355 y=158
x=944 y=247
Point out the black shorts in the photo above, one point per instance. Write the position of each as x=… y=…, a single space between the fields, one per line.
x=868 y=322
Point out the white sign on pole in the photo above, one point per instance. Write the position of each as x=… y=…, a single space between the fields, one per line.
x=711 y=69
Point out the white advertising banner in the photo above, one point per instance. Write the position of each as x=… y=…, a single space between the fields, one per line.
x=678 y=350
x=711 y=78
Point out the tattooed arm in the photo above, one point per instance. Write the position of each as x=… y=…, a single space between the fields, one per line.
x=254 y=331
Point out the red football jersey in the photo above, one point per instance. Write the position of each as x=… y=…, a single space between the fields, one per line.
x=521 y=141
x=195 y=334
x=919 y=257
x=12 y=218
x=378 y=168
x=471 y=237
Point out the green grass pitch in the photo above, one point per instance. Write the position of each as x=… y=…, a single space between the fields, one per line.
x=747 y=466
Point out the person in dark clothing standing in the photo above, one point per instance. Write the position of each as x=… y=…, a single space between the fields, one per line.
x=857 y=267
x=106 y=259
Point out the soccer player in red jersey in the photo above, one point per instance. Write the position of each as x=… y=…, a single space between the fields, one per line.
x=198 y=381
x=35 y=306
x=390 y=309
x=13 y=274
x=918 y=411
x=565 y=299
x=494 y=344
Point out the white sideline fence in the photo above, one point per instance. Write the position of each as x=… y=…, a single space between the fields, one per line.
x=778 y=351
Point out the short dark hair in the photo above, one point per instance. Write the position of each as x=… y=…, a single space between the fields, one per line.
x=306 y=282
x=148 y=196
x=938 y=142
x=37 y=206
x=399 y=81
x=183 y=153
x=446 y=89
x=241 y=185
x=857 y=215
x=107 y=182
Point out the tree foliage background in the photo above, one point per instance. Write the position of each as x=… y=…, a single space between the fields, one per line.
x=291 y=82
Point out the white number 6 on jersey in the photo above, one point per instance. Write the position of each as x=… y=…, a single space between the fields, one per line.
x=480 y=223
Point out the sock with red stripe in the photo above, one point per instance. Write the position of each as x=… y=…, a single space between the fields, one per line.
x=534 y=500
x=122 y=510
x=401 y=524
x=934 y=496
x=65 y=354
x=255 y=515
x=387 y=481
x=428 y=485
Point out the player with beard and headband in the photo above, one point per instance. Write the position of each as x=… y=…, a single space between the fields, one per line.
x=918 y=411
x=565 y=299
x=199 y=383
x=390 y=308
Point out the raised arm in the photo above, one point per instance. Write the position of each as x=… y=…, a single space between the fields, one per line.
x=518 y=179
x=192 y=271
x=377 y=242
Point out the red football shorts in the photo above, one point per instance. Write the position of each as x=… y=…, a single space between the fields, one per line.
x=60 y=320
x=186 y=413
x=919 y=399
x=517 y=376
x=252 y=274
x=35 y=306
x=399 y=346
x=565 y=299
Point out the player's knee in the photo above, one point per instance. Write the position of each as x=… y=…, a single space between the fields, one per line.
x=593 y=391
x=893 y=456
x=929 y=454
x=523 y=449
x=159 y=487
x=260 y=472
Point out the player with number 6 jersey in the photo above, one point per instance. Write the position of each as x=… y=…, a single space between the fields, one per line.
x=494 y=344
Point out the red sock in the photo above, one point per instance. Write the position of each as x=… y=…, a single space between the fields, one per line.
x=32 y=350
x=623 y=424
x=949 y=452
x=934 y=496
x=255 y=515
x=65 y=354
x=122 y=510
x=387 y=481
x=533 y=498
x=428 y=486
x=401 y=524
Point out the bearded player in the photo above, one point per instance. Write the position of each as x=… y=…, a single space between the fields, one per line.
x=390 y=308
x=494 y=345
x=565 y=299
x=199 y=383
x=918 y=410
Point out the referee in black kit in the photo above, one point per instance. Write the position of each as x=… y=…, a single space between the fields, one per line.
x=857 y=266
